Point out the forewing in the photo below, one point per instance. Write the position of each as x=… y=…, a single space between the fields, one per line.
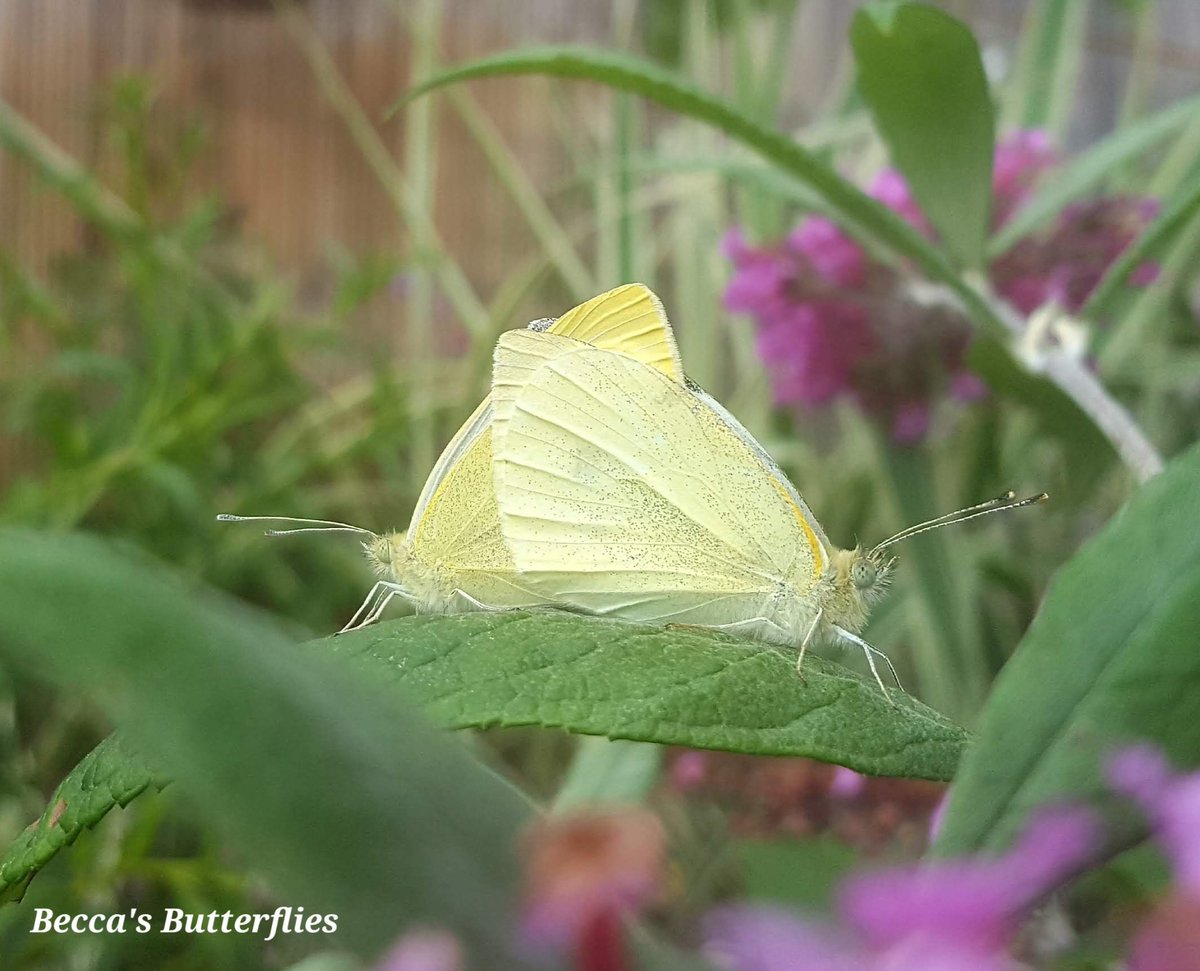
x=615 y=482
x=629 y=319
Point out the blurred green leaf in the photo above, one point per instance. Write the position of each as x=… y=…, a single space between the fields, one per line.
x=111 y=775
x=678 y=686
x=346 y=801
x=607 y=771
x=920 y=73
x=1110 y=658
x=625 y=73
x=770 y=868
x=1086 y=171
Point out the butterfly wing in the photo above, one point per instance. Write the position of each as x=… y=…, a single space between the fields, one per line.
x=455 y=523
x=621 y=491
x=629 y=319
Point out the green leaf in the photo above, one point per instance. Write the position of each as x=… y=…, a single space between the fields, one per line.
x=344 y=799
x=599 y=677
x=111 y=775
x=1110 y=658
x=677 y=686
x=920 y=72
x=1086 y=171
x=625 y=73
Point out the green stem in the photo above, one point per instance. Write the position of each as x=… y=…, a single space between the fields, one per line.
x=948 y=651
x=451 y=279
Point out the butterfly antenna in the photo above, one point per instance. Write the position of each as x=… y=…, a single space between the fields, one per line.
x=310 y=525
x=1003 y=502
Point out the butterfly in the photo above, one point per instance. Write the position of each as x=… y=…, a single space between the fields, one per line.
x=624 y=492
x=453 y=556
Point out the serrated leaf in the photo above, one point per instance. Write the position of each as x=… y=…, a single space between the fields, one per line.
x=920 y=72
x=343 y=798
x=674 y=686
x=1111 y=657
x=593 y=676
x=110 y=775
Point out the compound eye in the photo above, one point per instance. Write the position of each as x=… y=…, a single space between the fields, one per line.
x=864 y=574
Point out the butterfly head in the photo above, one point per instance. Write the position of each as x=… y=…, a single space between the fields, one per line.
x=385 y=552
x=859 y=579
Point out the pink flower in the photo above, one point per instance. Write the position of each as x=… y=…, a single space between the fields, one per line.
x=1021 y=159
x=833 y=324
x=688 y=770
x=846 y=783
x=1066 y=263
x=424 y=949
x=837 y=259
x=946 y=916
x=890 y=188
x=1170 y=801
x=1170 y=939
x=585 y=871
x=811 y=350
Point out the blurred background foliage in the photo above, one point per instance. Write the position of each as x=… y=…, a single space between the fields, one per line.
x=228 y=284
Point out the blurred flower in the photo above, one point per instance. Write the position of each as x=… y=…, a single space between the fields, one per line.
x=1170 y=939
x=847 y=784
x=585 y=871
x=1171 y=802
x=688 y=770
x=423 y=949
x=947 y=916
x=1065 y=264
x=765 y=797
x=1021 y=159
x=833 y=323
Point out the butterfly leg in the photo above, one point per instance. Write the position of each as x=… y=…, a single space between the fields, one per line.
x=868 y=651
x=812 y=629
x=478 y=604
x=750 y=623
x=373 y=606
x=364 y=607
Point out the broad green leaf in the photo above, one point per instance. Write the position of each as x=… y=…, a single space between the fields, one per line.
x=1110 y=658
x=1086 y=171
x=346 y=801
x=111 y=775
x=626 y=73
x=677 y=686
x=920 y=73
x=599 y=677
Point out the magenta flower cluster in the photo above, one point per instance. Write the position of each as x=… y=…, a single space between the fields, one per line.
x=964 y=915
x=833 y=322
x=944 y=916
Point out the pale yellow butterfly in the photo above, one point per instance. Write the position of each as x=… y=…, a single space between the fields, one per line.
x=453 y=557
x=622 y=492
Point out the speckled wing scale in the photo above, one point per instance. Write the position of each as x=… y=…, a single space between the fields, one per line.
x=454 y=537
x=625 y=492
